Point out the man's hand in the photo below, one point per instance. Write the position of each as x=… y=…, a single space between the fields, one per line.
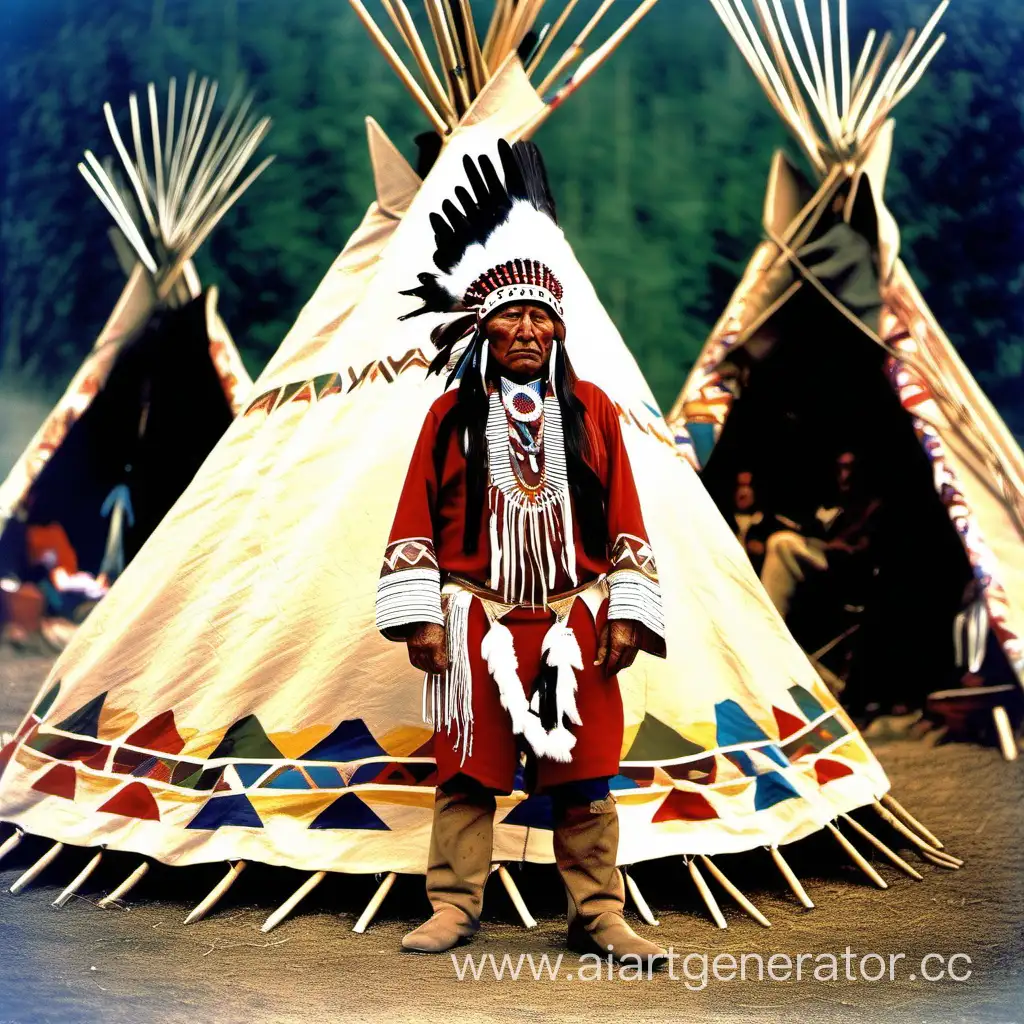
x=617 y=646
x=428 y=649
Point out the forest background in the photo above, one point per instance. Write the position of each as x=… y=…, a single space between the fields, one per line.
x=658 y=163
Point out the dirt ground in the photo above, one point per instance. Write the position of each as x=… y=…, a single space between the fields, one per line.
x=137 y=963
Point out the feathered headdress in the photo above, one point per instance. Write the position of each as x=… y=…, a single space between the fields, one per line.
x=503 y=245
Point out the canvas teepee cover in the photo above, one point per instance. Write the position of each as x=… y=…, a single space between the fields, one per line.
x=792 y=295
x=163 y=379
x=232 y=698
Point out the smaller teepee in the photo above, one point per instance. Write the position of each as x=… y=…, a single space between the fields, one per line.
x=163 y=380
x=826 y=347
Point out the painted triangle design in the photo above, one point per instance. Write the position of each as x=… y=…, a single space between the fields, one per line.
x=771 y=789
x=246 y=738
x=533 y=812
x=349 y=812
x=46 y=703
x=86 y=720
x=134 y=801
x=734 y=725
x=224 y=811
x=350 y=741
x=58 y=781
x=655 y=741
x=809 y=705
x=249 y=774
x=159 y=734
x=825 y=770
x=682 y=805
x=787 y=723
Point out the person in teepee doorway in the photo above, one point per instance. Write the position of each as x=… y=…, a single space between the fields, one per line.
x=518 y=569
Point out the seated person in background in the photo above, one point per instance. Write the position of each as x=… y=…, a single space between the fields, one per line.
x=752 y=525
x=839 y=542
x=53 y=566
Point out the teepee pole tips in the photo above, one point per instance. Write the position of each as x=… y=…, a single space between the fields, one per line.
x=705 y=893
x=126 y=886
x=36 y=869
x=731 y=889
x=1007 y=741
x=78 y=881
x=884 y=850
x=203 y=908
x=642 y=906
x=373 y=906
x=293 y=901
x=910 y=821
x=11 y=842
x=529 y=921
x=787 y=873
x=857 y=857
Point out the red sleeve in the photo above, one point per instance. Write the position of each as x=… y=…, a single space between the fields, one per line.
x=409 y=588
x=634 y=592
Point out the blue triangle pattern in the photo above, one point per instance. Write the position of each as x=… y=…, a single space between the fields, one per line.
x=351 y=741
x=533 y=812
x=86 y=720
x=250 y=773
x=734 y=725
x=808 y=704
x=219 y=811
x=771 y=789
x=348 y=811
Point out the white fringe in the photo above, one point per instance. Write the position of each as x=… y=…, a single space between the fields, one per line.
x=457 y=698
x=498 y=650
x=562 y=651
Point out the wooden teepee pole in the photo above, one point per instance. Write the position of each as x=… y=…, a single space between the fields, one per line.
x=642 y=906
x=884 y=850
x=419 y=52
x=374 y=905
x=398 y=67
x=78 y=881
x=888 y=800
x=857 y=857
x=516 y=897
x=293 y=901
x=709 y=900
x=125 y=887
x=550 y=37
x=214 y=897
x=731 y=889
x=11 y=842
x=575 y=48
x=36 y=869
x=787 y=873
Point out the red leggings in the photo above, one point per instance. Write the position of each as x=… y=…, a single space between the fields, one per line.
x=495 y=755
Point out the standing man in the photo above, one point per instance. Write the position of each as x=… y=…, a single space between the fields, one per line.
x=518 y=570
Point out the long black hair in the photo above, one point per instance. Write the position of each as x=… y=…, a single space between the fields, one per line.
x=468 y=417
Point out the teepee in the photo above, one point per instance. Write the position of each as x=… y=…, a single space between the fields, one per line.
x=232 y=699
x=827 y=345
x=163 y=380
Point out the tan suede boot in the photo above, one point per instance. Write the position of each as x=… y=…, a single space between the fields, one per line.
x=460 y=860
x=586 y=844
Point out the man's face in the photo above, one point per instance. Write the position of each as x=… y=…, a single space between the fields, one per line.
x=520 y=336
x=845 y=469
x=744 y=497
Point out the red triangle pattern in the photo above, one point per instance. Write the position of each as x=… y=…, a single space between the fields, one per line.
x=159 y=734
x=58 y=781
x=98 y=760
x=825 y=769
x=134 y=801
x=681 y=805
x=787 y=723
